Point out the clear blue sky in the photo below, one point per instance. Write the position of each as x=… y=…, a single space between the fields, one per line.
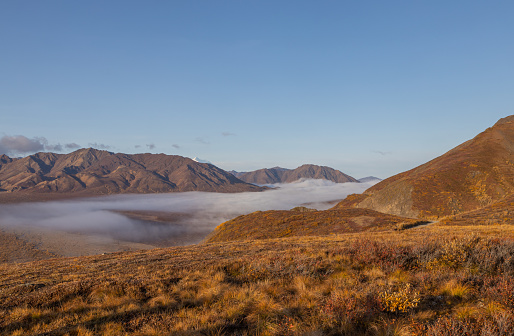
x=366 y=87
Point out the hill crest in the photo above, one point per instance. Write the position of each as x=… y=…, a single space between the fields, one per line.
x=475 y=174
x=283 y=175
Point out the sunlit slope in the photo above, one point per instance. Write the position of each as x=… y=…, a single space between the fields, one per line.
x=101 y=172
x=498 y=213
x=301 y=222
x=473 y=175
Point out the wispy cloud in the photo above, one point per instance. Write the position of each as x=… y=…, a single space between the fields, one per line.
x=20 y=144
x=175 y=146
x=99 y=145
x=227 y=134
x=202 y=140
x=72 y=146
x=382 y=153
x=54 y=148
x=150 y=146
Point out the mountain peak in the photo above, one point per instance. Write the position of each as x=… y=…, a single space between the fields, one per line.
x=283 y=175
x=90 y=171
x=506 y=120
x=90 y=150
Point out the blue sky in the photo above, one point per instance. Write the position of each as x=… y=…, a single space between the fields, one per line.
x=366 y=87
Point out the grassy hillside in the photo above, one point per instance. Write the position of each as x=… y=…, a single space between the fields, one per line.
x=501 y=212
x=430 y=280
x=283 y=223
x=473 y=175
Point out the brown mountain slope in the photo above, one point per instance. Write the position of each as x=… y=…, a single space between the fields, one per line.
x=283 y=175
x=473 y=175
x=94 y=171
x=295 y=222
x=4 y=159
x=501 y=212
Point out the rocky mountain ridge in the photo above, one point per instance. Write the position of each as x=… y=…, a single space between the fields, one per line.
x=95 y=171
x=283 y=175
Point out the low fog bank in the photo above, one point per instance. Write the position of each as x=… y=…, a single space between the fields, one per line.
x=104 y=215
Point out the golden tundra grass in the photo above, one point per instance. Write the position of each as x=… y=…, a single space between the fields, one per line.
x=430 y=280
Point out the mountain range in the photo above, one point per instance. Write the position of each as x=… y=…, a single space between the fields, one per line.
x=478 y=174
x=284 y=175
x=92 y=171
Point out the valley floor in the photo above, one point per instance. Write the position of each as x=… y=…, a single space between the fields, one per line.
x=431 y=280
x=21 y=244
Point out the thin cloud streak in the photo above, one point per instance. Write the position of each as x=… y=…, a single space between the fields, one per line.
x=202 y=140
x=382 y=153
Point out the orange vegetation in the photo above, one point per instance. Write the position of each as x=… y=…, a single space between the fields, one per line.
x=276 y=224
x=424 y=281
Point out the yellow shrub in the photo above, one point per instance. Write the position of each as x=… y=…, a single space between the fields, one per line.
x=401 y=300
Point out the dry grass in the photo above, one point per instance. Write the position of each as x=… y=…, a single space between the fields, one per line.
x=499 y=213
x=411 y=282
x=305 y=222
x=13 y=249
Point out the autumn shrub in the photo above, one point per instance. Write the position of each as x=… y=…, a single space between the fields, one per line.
x=493 y=256
x=500 y=289
x=349 y=311
x=400 y=300
x=387 y=256
x=450 y=326
x=498 y=324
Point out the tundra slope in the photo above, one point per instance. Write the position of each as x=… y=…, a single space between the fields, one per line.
x=473 y=175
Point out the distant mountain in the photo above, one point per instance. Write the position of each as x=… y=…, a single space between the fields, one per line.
x=94 y=171
x=283 y=175
x=471 y=176
x=369 y=179
x=4 y=159
x=236 y=173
